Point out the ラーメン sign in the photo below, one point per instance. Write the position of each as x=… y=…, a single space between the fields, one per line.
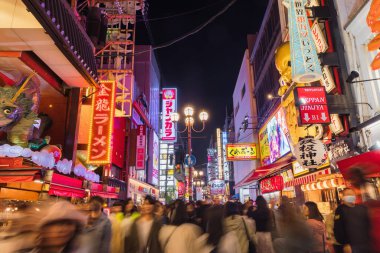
x=169 y=106
x=101 y=126
x=305 y=64
x=241 y=151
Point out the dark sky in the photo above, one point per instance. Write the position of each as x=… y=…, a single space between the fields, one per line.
x=204 y=66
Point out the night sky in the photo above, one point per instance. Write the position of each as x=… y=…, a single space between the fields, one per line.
x=204 y=66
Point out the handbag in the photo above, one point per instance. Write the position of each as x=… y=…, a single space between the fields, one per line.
x=251 y=244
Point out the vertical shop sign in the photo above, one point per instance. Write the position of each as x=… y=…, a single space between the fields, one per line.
x=219 y=148
x=327 y=79
x=169 y=106
x=140 y=147
x=319 y=38
x=226 y=168
x=101 y=126
x=336 y=125
x=156 y=154
x=305 y=64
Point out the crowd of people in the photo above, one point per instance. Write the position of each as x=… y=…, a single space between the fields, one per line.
x=201 y=227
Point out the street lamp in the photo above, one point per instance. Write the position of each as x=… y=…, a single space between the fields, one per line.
x=189 y=127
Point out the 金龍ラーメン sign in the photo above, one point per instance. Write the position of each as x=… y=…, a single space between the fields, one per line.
x=169 y=106
x=140 y=147
x=241 y=151
x=101 y=126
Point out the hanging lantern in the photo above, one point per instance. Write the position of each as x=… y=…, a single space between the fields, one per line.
x=325 y=184
x=319 y=186
x=313 y=187
x=311 y=153
x=57 y=153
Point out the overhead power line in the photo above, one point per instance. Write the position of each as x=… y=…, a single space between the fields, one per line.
x=192 y=32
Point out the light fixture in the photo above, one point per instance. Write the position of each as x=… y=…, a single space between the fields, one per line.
x=189 y=111
x=270 y=96
x=195 y=173
x=189 y=121
x=353 y=75
x=174 y=117
x=319 y=186
x=203 y=116
x=201 y=173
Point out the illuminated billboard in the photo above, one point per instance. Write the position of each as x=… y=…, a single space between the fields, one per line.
x=169 y=106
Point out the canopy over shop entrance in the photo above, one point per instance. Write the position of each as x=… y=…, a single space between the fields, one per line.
x=369 y=162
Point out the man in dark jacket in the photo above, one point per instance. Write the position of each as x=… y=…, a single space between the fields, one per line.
x=352 y=224
x=143 y=237
x=97 y=234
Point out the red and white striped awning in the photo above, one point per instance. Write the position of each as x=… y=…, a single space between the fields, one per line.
x=306 y=179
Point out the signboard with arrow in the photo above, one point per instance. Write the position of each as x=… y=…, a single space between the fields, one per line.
x=312 y=105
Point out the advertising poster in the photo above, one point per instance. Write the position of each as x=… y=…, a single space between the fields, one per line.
x=217 y=187
x=273 y=139
x=156 y=155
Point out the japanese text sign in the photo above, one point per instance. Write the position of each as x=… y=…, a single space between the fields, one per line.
x=169 y=106
x=241 y=152
x=272 y=184
x=312 y=105
x=140 y=147
x=101 y=126
x=217 y=187
x=311 y=153
x=305 y=64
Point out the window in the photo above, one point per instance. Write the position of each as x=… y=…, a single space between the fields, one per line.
x=243 y=91
x=236 y=109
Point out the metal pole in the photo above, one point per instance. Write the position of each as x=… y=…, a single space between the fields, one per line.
x=190 y=167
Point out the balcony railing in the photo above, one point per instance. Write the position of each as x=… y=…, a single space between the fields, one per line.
x=58 y=19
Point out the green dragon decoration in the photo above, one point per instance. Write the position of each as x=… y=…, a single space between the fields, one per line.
x=16 y=114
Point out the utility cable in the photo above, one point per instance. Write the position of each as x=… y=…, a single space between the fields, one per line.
x=182 y=13
x=194 y=31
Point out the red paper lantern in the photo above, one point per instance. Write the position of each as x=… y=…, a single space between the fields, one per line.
x=57 y=153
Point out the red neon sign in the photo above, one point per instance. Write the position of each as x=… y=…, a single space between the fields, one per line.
x=101 y=126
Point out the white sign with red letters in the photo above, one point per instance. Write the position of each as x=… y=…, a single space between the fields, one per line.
x=169 y=106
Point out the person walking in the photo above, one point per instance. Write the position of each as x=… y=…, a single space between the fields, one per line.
x=143 y=235
x=97 y=234
x=352 y=225
x=318 y=228
x=216 y=239
x=180 y=235
x=263 y=218
x=235 y=222
x=116 y=217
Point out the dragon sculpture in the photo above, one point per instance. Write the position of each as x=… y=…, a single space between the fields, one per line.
x=17 y=112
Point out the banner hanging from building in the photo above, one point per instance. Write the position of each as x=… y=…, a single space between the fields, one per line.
x=241 y=152
x=220 y=154
x=101 y=126
x=169 y=106
x=140 y=147
x=155 y=158
x=226 y=167
x=305 y=64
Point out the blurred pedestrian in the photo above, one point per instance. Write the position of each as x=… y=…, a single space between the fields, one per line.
x=363 y=188
x=318 y=228
x=180 y=235
x=98 y=232
x=235 y=222
x=263 y=218
x=191 y=213
x=59 y=229
x=352 y=225
x=116 y=217
x=216 y=239
x=160 y=213
x=143 y=235
x=294 y=235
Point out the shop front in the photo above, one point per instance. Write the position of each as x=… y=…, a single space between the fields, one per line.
x=137 y=190
x=271 y=189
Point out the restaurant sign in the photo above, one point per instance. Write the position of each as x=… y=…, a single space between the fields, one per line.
x=101 y=125
x=169 y=106
x=312 y=105
x=140 y=147
x=241 y=151
x=272 y=184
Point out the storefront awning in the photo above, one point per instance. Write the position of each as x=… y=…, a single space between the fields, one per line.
x=18 y=175
x=261 y=172
x=107 y=192
x=64 y=186
x=306 y=179
x=369 y=162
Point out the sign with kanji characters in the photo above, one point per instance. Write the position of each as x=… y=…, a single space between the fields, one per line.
x=169 y=106
x=312 y=105
x=319 y=38
x=272 y=184
x=241 y=152
x=101 y=126
x=217 y=187
x=311 y=153
x=140 y=147
x=220 y=154
x=305 y=63
x=226 y=165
